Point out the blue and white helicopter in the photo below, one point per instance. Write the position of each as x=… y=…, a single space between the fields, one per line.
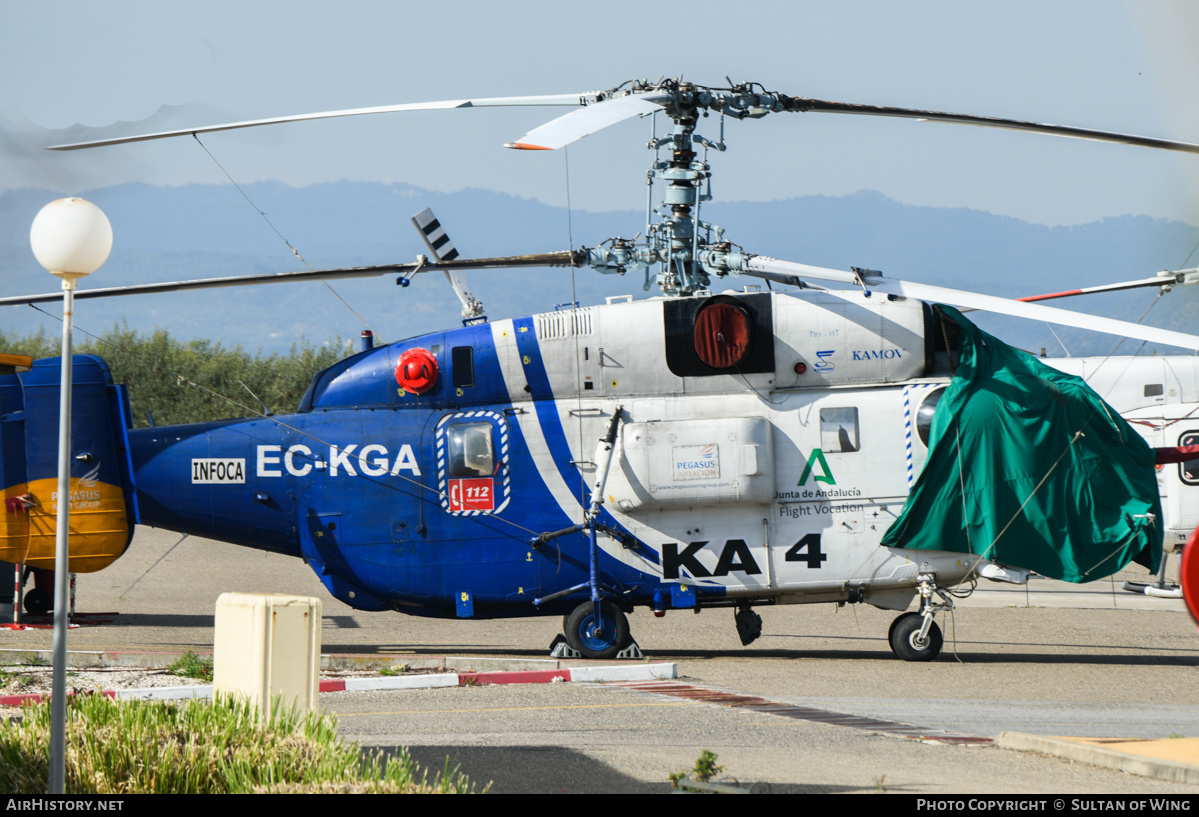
x=696 y=450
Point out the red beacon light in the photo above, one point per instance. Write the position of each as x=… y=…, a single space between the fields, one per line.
x=417 y=371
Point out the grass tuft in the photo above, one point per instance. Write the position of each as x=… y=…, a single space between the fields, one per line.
x=704 y=771
x=190 y=665
x=200 y=747
x=12 y=681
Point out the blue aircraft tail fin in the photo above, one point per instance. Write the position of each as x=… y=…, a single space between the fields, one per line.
x=103 y=499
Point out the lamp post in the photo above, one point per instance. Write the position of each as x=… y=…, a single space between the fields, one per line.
x=71 y=238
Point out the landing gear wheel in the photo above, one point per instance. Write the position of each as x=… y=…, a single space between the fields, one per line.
x=905 y=631
x=581 y=630
x=38 y=602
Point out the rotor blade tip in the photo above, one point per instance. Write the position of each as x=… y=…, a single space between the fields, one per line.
x=525 y=146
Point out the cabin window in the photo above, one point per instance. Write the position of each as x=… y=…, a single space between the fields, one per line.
x=470 y=450
x=839 y=430
x=1154 y=390
x=1188 y=471
x=924 y=415
x=463 y=362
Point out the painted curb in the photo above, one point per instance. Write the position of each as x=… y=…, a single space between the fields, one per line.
x=441 y=679
x=163 y=693
x=647 y=672
x=548 y=676
x=1173 y=771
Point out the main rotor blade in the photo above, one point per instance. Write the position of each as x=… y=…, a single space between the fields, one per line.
x=489 y=102
x=772 y=268
x=552 y=259
x=565 y=130
x=575 y=125
x=1169 y=279
x=802 y=105
x=1048 y=314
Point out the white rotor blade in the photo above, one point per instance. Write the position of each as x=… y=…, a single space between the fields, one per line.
x=986 y=303
x=491 y=102
x=1049 y=314
x=574 y=126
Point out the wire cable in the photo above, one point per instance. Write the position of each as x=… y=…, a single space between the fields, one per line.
x=294 y=251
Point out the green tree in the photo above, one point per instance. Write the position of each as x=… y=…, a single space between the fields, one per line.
x=193 y=381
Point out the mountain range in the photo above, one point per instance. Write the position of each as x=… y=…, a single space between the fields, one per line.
x=198 y=231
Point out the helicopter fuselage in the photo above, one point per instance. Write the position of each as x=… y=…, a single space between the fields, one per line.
x=727 y=450
x=763 y=450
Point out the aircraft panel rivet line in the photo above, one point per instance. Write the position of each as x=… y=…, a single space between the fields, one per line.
x=768 y=707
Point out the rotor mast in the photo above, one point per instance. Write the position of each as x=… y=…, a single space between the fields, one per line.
x=680 y=244
x=676 y=236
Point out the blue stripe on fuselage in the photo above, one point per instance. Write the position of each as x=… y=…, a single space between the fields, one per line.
x=551 y=426
x=545 y=407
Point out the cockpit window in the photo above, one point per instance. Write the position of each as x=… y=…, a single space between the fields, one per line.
x=471 y=453
x=1188 y=471
x=924 y=414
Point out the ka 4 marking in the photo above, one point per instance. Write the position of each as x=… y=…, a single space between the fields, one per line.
x=817 y=457
x=735 y=556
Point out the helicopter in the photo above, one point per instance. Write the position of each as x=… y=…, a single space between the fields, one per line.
x=693 y=450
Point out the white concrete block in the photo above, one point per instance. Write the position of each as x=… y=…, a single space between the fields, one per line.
x=268 y=645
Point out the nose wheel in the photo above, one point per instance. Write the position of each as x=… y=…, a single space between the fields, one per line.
x=907 y=641
x=915 y=636
x=597 y=638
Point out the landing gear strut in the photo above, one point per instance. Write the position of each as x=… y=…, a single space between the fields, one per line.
x=596 y=628
x=915 y=636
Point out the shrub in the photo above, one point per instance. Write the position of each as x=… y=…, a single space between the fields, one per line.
x=190 y=665
x=160 y=372
x=201 y=747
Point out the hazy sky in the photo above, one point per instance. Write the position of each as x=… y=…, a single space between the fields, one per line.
x=1127 y=67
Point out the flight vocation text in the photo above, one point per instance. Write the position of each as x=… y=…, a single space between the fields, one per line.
x=817 y=495
x=299 y=461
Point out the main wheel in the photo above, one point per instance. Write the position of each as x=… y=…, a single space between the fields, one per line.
x=581 y=630
x=904 y=635
x=38 y=602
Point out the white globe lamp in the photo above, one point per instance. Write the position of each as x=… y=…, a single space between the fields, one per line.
x=71 y=238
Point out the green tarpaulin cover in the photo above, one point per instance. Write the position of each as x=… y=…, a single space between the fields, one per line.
x=1007 y=477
